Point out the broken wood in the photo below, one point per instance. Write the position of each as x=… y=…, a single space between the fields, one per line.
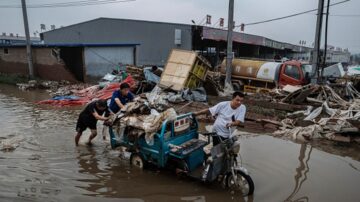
x=341 y=138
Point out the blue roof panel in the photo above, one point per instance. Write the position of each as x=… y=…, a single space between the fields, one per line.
x=73 y=45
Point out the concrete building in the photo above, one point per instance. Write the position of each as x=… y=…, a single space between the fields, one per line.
x=156 y=39
x=333 y=56
x=73 y=62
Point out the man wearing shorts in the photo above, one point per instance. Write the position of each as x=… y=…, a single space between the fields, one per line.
x=89 y=117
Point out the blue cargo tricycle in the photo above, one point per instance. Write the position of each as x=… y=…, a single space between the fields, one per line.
x=177 y=145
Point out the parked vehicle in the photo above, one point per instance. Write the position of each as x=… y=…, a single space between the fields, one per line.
x=177 y=145
x=257 y=75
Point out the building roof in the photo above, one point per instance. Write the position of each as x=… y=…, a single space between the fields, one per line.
x=116 y=19
x=214 y=34
x=7 y=37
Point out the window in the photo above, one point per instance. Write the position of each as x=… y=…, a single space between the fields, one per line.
x=6 y=51
x=306 y=68
x=292 y=71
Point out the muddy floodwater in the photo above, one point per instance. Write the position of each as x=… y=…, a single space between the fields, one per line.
x=39 y=162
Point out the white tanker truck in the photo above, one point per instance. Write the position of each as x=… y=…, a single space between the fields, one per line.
x=256 y=75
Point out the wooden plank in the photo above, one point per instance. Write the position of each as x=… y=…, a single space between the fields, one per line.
x=340 y=138
x=274 y=105
x=178 y=69
x=182 y=57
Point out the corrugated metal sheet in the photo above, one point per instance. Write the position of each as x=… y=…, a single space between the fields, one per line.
x=74 y=45
x=221 y=35
x=102 y=60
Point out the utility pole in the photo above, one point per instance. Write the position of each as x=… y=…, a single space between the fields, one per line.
x=316 y=51
x=326 y=37
x=229 y=54
x=28 y=42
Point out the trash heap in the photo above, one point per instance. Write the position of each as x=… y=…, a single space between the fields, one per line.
x=179 y=87
x=146 y=77
x=140 y=118
x=327 y=115
x=49 y=85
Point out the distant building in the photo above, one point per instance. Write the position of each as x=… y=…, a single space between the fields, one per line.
x=73 y=62
x=11 y=39
x=158 y=38
x=333 y=56
x=93 y=48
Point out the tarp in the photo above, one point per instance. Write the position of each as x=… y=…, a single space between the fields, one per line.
x=149 y=76
x=87 y=95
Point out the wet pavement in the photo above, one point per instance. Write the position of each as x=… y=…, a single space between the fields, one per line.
x=39 y=162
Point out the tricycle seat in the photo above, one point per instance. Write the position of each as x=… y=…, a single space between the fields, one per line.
x=187 y=147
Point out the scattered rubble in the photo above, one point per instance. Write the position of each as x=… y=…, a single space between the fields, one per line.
x=327 y=116
x=35 y=84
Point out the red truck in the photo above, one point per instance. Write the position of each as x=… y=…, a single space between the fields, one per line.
x=256 y=75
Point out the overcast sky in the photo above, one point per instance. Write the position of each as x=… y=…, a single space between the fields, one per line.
x=344 y=31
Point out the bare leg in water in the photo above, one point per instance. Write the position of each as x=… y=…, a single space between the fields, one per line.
x=92 y=136
x=105 y=129
x=77 y=138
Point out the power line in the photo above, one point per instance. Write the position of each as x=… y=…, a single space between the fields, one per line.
x=289 y=16
x=69 y=4
x=344 y=15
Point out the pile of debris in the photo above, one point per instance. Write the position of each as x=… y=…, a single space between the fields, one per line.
x=327 y=116
x=35 y=84
x=140 y=118
x=86 y=95
x=67 y=90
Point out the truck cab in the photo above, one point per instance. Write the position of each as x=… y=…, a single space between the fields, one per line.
x=293 y=73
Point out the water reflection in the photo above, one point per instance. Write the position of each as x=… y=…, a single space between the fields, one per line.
x=301 y=173
x=115 y=178
x=89 y=165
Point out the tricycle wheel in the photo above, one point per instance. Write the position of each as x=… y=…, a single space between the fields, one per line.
x=137 y=161
x=243 y=183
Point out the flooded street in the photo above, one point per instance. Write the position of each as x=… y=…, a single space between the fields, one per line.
x=39 y=162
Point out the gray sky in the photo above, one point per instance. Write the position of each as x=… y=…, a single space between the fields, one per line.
x=344 y=31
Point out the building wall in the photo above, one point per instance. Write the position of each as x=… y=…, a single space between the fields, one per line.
x=332 y=56
x=102 y=60
x=46 y=66
x=155 y=39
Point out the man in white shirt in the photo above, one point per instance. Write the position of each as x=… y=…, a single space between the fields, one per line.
x=228 y=114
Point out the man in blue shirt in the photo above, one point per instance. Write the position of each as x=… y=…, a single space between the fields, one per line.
x=120 y=98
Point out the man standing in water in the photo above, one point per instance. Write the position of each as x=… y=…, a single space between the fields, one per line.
x=228 y=114
x=88 y=119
